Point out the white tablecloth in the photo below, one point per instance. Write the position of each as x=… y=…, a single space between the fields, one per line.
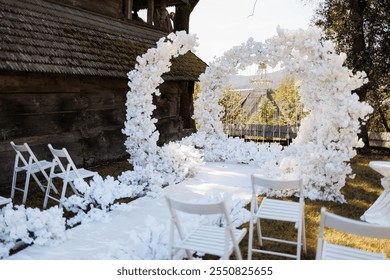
x=379 y=212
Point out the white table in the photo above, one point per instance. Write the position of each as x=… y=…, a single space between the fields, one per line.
x=379 y=212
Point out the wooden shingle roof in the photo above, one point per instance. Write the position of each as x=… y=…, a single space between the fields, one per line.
x=40 y=36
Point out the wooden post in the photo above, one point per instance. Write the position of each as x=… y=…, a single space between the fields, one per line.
x=150 y=11
x=128 y=9
x=163 y=4
x=182 y=17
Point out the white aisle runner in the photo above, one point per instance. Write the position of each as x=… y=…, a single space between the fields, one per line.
x=93 y=240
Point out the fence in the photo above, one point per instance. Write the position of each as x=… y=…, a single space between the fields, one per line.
x=261 y=132
x=277 y=133
x=379 y=139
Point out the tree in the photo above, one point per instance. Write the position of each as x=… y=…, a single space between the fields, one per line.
x=280 y=107
x=265 y=114
x=232 y=101
x=361 y=29
x=288 y=100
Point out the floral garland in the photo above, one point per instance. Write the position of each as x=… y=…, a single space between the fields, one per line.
x=327 y=137
x=20 y=225
x=140 y=128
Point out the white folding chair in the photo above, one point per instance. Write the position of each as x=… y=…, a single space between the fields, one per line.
x=208 y=239
x=330 y=251
x=67 y=174
x=278 y=210
x=30 y=166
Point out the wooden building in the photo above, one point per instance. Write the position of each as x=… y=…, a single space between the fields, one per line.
x=63 y=66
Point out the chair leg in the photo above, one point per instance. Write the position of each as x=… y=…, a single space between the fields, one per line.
x=13 y=184
x=38 y=182
x=189 y=254
x=250 y=241
x=73 y=188
x=237 y=253
x=304 y=235
x=47 y=193
x=259 y=235
x=26 y=185
x=299 y=240
x=63 y=193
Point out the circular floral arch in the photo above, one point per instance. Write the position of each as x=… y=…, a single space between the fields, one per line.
x=326 y=140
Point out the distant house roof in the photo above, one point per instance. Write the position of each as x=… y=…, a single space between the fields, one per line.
x=40 y=36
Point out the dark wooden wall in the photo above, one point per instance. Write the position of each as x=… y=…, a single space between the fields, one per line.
x=83 y=114
x=112 y=8
x=174 y=111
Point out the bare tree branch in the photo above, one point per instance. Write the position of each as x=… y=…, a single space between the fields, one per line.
x=254 y=7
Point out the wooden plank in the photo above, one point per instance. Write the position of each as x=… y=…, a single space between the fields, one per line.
x=43 y=83
x=30 y=104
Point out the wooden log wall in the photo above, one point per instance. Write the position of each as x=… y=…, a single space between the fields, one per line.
x=174 y=111
x=112 y=8
x=83 y=114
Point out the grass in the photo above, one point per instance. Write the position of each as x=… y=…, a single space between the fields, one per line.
x=360 y=193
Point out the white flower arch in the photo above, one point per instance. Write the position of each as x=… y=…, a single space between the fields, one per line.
x=154 y=166
x=327 y=137
x=140 y=127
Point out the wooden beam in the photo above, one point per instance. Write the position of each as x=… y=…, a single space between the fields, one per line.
x=150 y=11
x=163 y=4
x=129 y=9
x=182 y=18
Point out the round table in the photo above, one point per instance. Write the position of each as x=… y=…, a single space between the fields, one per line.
x=379 y=212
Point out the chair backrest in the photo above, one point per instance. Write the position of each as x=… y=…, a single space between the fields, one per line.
x=347 y=225
x=25 y=148
x=20 y=149
x=67 y=164
x=275 y=184
x=201 y=209
x=202 y=241
x=198 y=209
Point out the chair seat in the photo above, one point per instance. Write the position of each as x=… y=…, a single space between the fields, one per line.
x=278 y=210
x=210 y=240
x=4 y=201
x=339 y=252
x=34 y=167
x=84 y=173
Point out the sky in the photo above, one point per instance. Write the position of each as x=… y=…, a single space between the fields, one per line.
x=222 y=24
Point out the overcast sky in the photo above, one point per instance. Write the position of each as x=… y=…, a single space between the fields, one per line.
x=222 y=24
